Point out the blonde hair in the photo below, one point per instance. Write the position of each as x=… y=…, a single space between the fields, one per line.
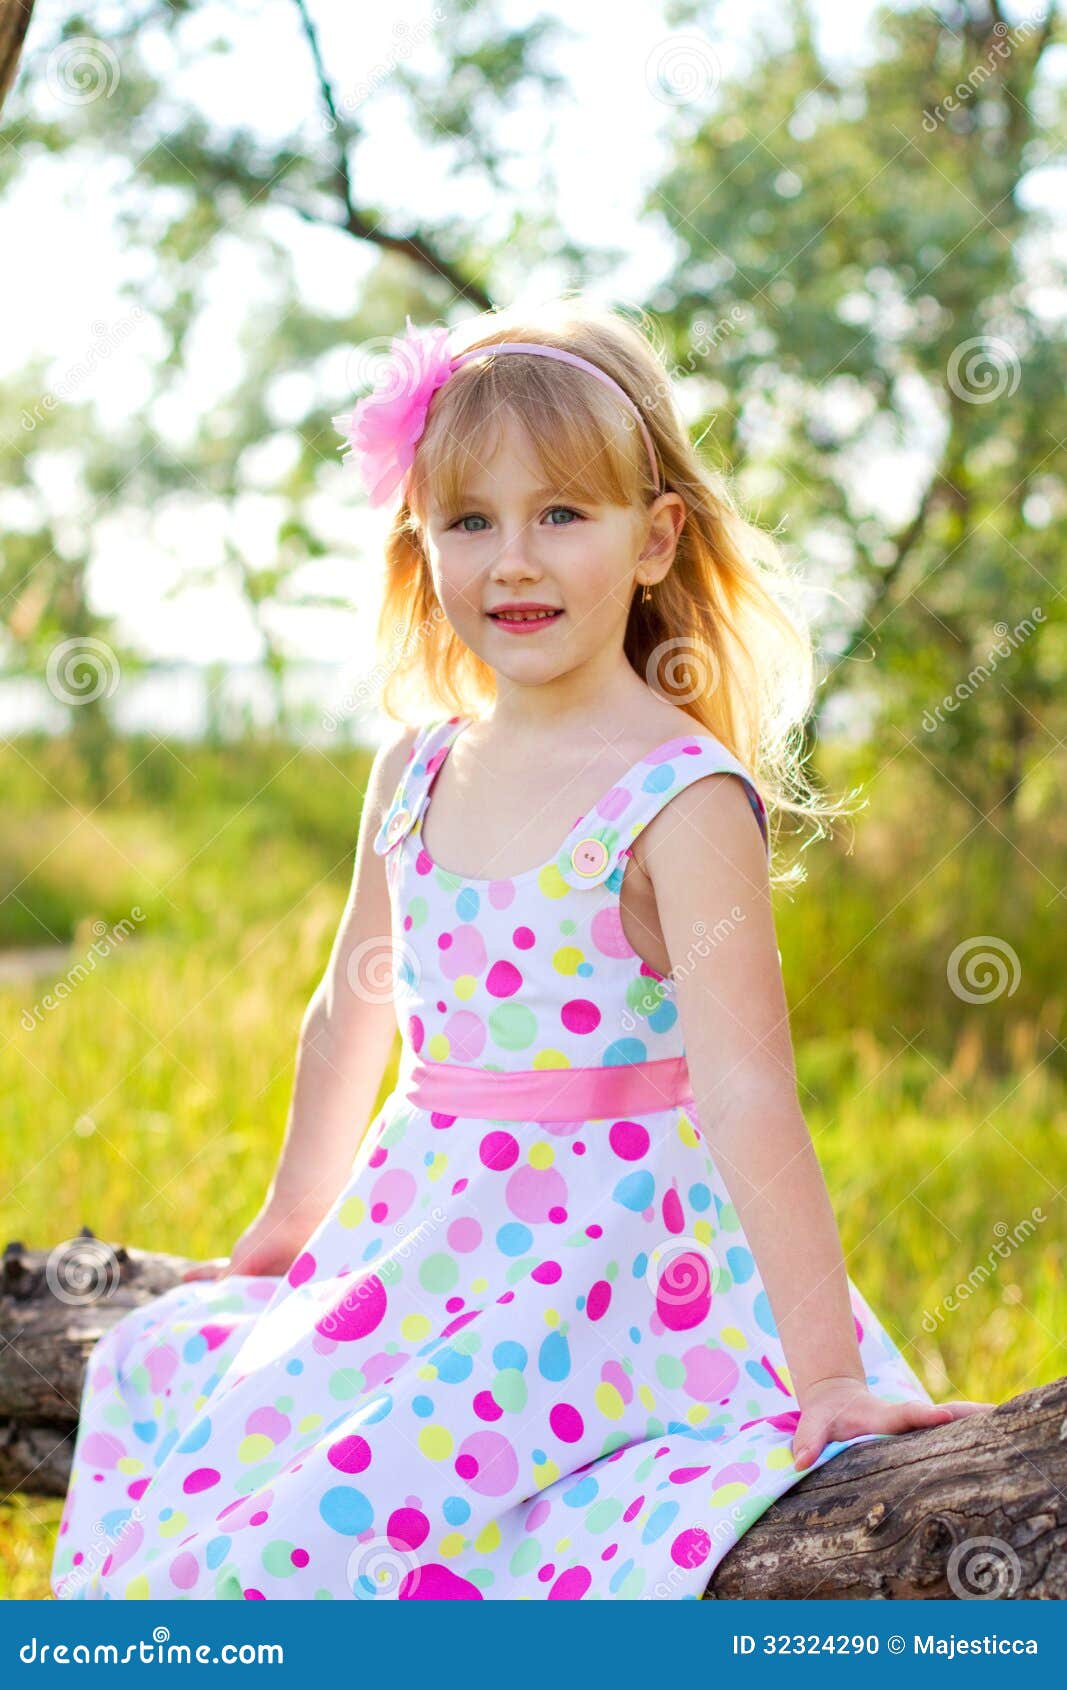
x=715 y=638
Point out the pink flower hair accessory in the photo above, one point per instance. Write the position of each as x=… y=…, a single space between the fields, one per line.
x=383 y=429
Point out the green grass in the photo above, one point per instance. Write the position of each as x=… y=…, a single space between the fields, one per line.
x=150 y=1103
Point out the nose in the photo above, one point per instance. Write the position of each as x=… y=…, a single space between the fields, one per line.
x=513 y=555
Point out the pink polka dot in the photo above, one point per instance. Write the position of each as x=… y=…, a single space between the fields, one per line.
x=580 y=1016
x=498 y=1151
x=302 y=1269
x=503 y=980
x=407 y=1528
x=522 y=938
x=691 y=1548
x=571 y=1586
x=566 y=1422
x=349 y=1455
x=201 y=1478
x=629 y=1140
x=465 y=1234
x=432 y=1582
x=673 y=1215
x=599 y=1299
x=184 y=1571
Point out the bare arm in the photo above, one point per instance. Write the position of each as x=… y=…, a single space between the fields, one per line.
x=705 y=857
x=346 y=1037
x=349 y=1025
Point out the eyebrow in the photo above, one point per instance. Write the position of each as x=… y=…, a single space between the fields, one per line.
x=466 y=497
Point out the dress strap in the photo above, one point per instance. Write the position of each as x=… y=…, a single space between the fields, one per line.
x=427 y=753
x=593 y=853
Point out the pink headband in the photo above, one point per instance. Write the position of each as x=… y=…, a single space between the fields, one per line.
x=383 y=429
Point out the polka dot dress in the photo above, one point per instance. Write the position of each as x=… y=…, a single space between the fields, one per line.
x=517 y=1359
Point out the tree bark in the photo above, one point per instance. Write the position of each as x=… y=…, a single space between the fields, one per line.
x=972 y=1509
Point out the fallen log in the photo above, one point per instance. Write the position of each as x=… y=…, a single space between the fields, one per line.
x=973 y=1509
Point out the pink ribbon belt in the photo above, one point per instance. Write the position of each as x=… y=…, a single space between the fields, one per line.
x=547 y=1094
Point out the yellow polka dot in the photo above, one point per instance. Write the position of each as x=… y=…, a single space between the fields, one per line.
x=437 y=1167
x=437 y=1048
x=465 y=986
x=609 y=1401
x=687 y=1132
x=702 y=1232
x=414 y=1326
x=542 y=1154
x=647 y=1398
x=436 y=1443
x=478 y=1286
x=728 y=1493
x=552 y=883
x=256 y=1447
x=129 y=1464
x=561 y=1546
x=489 y=1539
x=177 y=1523
x=568 y=959
x=697 y=1414
x=550 y=1059
x=428 y=1372
x=545 y=1473
x=352 y=1211
x=733 y=1336
x=781 y=1456
x=309 y=1422
x=453 y=1544
x=137 y=1589
x=551 y=1317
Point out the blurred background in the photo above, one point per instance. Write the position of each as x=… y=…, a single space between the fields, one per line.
x=848 y=222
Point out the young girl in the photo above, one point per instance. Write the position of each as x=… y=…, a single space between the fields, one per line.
x=576 y=1313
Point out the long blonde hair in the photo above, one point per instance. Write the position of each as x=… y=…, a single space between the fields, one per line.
x=715 y=637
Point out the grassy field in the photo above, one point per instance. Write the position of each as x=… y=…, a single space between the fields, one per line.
x=150 y=1102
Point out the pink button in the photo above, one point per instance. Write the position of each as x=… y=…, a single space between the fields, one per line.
x=398 y=823
x=589 y=856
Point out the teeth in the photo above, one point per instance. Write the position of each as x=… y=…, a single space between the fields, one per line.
x=524 y=615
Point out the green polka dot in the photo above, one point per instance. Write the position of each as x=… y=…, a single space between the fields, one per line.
x=670 y=1371
x=513 y=1026
x=525 y=1558
x=509 y=1389
x=728 y=1218
x=439 y=1272
x=277 y=1558
x=346 y=1382
x=603 y=1514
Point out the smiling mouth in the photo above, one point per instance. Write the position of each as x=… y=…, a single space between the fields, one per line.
x=524 y=615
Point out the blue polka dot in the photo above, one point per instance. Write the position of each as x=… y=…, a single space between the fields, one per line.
x=761 y=1309
x=509 y=1354
x=294 y=1366
x=456 y=1511
x=217 y=1551
x=422 y=1406
x=658 y=1521
x=468 y=904
x=554 y=1357
x=346 y=1510
x=624 y=1051
x=514 y=1239
x=635 y=1191
x=740 y=1263
x=452 y=1367
x=194 y=1347
x=195 y=1438
x=582 y=1493
x=699 y=1198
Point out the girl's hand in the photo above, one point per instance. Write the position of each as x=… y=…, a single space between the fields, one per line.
x=268 y=1245
x=842 y=1407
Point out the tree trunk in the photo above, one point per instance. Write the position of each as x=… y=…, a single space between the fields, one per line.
x=974 y=1508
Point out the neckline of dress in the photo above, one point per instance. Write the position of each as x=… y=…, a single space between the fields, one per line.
x=539 y=868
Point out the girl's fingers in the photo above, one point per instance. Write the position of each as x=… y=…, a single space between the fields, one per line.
x=206 y=1270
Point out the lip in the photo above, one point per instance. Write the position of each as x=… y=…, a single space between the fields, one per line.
x=524 y=627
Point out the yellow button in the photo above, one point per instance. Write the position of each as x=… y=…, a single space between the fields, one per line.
x=589 y=856
x=398 y=824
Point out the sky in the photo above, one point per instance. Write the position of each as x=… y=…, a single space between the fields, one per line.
x=145 y=571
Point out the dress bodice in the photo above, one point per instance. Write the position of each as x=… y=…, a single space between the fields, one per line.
x=534 y=971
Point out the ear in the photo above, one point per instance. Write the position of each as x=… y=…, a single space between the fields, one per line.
x=666 y=517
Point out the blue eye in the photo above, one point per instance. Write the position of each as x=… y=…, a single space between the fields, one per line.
x=567 y=512
x=473 y=516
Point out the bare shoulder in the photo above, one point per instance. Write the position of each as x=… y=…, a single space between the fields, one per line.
x=390 y=761
x=706 y=836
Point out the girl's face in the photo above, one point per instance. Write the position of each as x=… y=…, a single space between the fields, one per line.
x=515 y=542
